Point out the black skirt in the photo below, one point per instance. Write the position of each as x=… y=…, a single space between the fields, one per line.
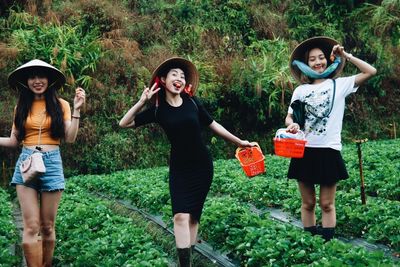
x=189 y=189
x=318 y=166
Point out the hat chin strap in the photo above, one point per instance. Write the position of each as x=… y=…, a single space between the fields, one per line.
x=188 y=90
x=23 y=85
x=158 y=82
x=306 y=70
x=51 y=85
x=26 y=87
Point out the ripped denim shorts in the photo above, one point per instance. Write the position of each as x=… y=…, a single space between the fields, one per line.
x=52 y=180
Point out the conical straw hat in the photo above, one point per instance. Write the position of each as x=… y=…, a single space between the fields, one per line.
x=190 y=70
x=20 y=75
x=324 y=43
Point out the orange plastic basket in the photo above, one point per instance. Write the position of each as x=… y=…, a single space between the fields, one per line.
x=251 y=159
x=288 y=147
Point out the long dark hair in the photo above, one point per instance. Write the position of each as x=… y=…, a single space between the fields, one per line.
x=53 y=108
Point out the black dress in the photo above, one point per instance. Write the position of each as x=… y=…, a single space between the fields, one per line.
x=191 y=168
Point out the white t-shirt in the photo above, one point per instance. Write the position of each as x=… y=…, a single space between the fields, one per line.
x=323 y=119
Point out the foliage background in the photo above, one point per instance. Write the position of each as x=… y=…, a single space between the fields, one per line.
x=241 y=48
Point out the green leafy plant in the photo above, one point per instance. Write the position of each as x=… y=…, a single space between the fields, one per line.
x=232 y=227
x=71 y=49
x=102 y=234
x=8 y=231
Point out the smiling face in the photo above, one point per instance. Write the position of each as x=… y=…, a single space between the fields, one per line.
x=38 y=83
x=317 y=60
x=175 y=81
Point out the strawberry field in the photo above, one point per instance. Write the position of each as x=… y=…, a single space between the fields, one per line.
x=8 y=233
x=91 y=227
x=241 y=49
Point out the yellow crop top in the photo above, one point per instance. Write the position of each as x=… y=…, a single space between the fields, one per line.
x=36 y=117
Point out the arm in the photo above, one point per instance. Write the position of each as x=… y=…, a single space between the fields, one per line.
x=128 y=121
x=221 y=131
x=72 y=126
x=11 y=141
x=367 y=70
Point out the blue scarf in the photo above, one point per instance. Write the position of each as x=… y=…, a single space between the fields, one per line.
x=306 y=70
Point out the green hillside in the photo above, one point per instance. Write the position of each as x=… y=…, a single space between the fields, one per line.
x=241 y=48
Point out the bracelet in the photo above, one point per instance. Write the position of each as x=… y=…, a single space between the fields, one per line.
x=75 y=117
x=348 y=58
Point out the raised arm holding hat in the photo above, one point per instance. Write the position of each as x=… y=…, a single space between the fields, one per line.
x=41 y=120
x=182 y=116
x=317 y=64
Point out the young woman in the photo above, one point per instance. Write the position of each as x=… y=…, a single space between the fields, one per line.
x=182 y=117
x=41 y=120
x=315 y=63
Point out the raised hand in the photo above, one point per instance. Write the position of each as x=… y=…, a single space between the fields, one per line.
x=149 y=92
x=80 y=98
x=338 y=50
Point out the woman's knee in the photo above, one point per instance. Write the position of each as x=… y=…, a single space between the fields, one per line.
x=327 y=206
x=47 y=229
x=309 y=204
x=32 y=227
x=181 y=218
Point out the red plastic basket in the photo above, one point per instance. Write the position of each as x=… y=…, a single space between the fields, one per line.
x=288 y=147
x=251 y=159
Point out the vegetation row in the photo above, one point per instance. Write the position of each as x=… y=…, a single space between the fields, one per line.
x=229 y=225
x=8 y=231
x=89 y=233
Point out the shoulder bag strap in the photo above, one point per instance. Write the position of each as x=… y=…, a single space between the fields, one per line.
x=195 y=104
x=333 y=97
x=331 y=108
x=40 y=131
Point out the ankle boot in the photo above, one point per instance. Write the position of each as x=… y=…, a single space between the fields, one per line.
x=311 y=229
x=48 y=251
x=328 y=233
x=184 y=257
x=33 y=254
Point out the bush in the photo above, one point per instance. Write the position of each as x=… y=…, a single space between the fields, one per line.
x=240 y=47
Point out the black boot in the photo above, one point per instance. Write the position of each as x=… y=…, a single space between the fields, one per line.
x=184 y=256
x=311 y=229
x=191 y=255
x=328 y=233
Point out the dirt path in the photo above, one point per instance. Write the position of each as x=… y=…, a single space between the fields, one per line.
x=19 y=225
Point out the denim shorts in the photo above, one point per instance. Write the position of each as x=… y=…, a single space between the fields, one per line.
x=52 y=180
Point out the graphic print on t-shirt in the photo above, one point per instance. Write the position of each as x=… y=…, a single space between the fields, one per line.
x=318 y=108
